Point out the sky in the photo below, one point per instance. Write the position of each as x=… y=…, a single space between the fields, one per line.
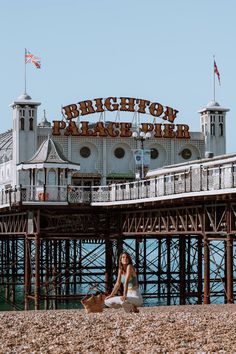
x=159 y=50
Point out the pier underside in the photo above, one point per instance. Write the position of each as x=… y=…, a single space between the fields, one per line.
x=183 y=254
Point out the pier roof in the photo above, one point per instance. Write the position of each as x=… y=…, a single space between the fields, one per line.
x=6 y=146
x=48 y=155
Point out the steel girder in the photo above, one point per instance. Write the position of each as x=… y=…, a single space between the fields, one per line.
x=183 y=254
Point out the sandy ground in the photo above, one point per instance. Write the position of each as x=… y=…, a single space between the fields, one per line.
x=173 y=329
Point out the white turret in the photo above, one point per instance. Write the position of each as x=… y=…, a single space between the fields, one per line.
x=24 y=131
x=213 y=125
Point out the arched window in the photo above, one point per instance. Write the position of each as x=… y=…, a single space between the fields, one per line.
x=51 y=177
x=31 y=124
x=40 y=178
x=213 y=129
x=22 y=124
x=31 y=113
x=221 y=129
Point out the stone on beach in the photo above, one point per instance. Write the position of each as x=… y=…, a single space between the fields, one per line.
x=172 y=329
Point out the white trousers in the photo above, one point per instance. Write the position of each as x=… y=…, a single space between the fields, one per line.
x=134 y=297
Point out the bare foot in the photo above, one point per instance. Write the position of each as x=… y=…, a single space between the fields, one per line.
x=135 y=309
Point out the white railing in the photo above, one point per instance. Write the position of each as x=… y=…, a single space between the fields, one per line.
x=45 y=194
x=194 y=179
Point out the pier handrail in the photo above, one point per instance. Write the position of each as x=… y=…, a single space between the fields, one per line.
x=195 y=179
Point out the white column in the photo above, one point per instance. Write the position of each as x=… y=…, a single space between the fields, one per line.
x=104 y=162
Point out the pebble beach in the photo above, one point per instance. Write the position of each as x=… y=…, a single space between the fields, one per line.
x=170 y=329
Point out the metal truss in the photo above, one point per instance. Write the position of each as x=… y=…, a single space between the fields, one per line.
x=13 y=223
x=184 y=254
x=167 y=268
x=12 y=273
x=171 y=221
x=66 y=271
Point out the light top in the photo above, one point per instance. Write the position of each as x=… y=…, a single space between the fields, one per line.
x=212 y=104
x=24 y=97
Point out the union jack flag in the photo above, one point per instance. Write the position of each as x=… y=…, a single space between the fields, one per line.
x=216 y=71
x=30 y=58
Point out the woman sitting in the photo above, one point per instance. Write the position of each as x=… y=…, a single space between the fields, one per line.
x=131 y=297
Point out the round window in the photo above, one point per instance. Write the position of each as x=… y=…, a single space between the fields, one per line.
x=154 y=153
x=85 y=152
x=186 y=154
x=119 y=153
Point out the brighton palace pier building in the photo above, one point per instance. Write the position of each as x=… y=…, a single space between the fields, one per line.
x=76 y=192
x=77 y=152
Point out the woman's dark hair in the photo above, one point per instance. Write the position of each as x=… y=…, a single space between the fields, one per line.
x=121 y=267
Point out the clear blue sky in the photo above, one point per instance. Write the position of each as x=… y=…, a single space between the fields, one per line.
x=161 y=50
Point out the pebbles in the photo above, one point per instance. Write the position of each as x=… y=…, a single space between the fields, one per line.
x=173 y=329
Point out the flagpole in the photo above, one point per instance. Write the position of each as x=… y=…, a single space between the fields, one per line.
x=25 y=70
x=214 y=79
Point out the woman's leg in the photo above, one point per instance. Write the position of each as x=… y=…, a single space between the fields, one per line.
x=113 y=302
x=133 y=300
x=134 y=297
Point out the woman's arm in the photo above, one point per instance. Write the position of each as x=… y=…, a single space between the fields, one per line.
x=116 y=286
x=128 y=275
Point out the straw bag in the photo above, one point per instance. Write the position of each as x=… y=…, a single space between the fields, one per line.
x=93 y=303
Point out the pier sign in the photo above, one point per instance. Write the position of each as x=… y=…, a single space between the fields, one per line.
x=128 y=104
x=121 y=129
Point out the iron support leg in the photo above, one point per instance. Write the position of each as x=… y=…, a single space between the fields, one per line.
x=206 y=273
x=27 y=272
x=37 y=272
x=144 y=264
x=108 y=274
x=199 y=270
x=182 y=270
x=229 y=270
x=168 y=270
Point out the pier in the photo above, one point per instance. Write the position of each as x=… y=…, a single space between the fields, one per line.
x=179 y=225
